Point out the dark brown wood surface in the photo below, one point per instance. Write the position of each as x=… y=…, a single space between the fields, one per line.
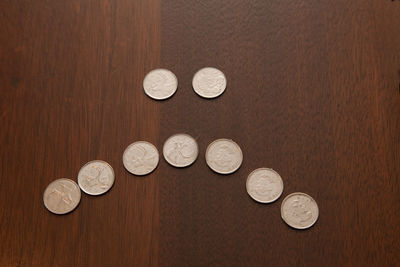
x=313 y=92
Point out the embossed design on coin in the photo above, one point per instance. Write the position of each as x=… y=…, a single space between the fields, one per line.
x=224 y=156
x=299 y=210
x=140 y=158
x=209 y=82
x=61 y=196
x=180 y=150
x=264 y=185
x=96 y=177
x=160 y=84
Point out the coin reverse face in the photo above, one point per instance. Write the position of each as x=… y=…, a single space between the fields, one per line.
x=299 y=210
x=62 y=196
x=96 y=177
x=180 y=150
x=160 y=84
x=224 y=156
x=209 y=82
x=264 y=185
x=140 y=158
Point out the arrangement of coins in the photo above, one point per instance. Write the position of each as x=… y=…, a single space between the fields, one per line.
x=223 y=156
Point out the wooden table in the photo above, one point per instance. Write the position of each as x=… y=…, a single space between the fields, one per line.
x=313 y=92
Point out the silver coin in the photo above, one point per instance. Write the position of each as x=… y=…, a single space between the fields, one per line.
x=140 y=158
x=209 y=82
x=264 y=185
x=180 y=150
x=299 y=210
x=61 y=196
x=224 y=156
x=96 y=177
x=160 y=84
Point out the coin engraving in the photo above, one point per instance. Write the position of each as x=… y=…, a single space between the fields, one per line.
x=180 y=150
x=96 y=177
x=264 y=185
x=160 y=84
x=61 y=196
x=209 y=82
x=299 y=210
x=224 y=156
x=140 y=158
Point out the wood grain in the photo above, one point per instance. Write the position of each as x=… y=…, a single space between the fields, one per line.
x=71 y=75
x=313 y=92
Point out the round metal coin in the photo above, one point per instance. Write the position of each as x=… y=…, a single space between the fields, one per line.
x=96 y=177
x=180 y=150
x=209 y=82
x=299 y=210
x=224 y=156
x=264 y=185
x=140 y=158
x=160 y=84
x=62 y=196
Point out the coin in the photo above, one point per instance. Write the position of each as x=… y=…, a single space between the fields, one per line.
x=61 y=196
x=180 y=150
x=224 y=156
x=140 y=158
x=160 y=84
x=96 y=177
x=299 y=210
x=209 y=82
x=264 y=185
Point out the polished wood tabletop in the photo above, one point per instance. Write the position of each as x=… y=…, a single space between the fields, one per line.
x=312 y=92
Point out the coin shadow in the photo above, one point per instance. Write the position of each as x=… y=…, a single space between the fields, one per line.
x=163 y=99
x=225 y=175
x=262 y=203
x=98 y=195
x=209 y=98
x=63 y=214
x=299 y=229
x=180 y=168
x=141 y=176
